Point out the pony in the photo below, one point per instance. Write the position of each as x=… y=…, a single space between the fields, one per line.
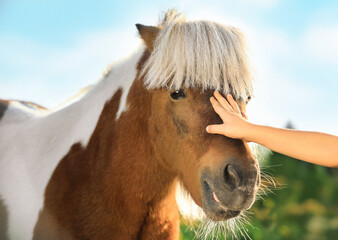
x=108 y=165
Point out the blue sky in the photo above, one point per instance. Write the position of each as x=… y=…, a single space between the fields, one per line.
x=49 y=50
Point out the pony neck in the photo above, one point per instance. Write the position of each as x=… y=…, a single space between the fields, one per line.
x=147 y=188
x=81 y=117
x=114 y=173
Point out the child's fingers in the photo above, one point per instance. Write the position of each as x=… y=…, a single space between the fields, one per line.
x=214 y=129
x=244 y=115
x=222 y=101
x=233 y=103
x=217 y=107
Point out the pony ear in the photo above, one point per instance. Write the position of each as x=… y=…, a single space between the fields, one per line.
x=148 y=34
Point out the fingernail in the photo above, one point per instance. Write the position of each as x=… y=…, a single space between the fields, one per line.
x=207 y=128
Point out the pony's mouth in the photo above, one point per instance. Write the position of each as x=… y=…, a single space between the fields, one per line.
x=213 y=207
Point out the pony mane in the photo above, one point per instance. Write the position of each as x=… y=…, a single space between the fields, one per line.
x=198 y=54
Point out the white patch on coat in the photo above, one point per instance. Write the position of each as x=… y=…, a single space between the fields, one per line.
x=18 y=112
x=32 y=146
x=189 y=210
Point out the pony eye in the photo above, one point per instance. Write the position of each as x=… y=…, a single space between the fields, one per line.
x=177 y=95
x=248 y=99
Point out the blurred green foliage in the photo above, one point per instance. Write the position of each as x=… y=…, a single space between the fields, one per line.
x=304 y=205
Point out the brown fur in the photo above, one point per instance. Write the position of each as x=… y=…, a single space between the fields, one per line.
x=148 y=34
x=84 y=197
x=122 y=184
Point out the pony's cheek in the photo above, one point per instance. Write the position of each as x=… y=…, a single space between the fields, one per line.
x=193 y=187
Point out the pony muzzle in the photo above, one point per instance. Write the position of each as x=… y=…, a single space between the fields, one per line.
x=232 y=190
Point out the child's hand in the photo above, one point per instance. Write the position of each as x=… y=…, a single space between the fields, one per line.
x=234 y=121
x=313 y=147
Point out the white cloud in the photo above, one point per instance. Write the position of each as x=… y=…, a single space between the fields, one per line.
x=48 y=75
x=321 y=41
x=279 y=95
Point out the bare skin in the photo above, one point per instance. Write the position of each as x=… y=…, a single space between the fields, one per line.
x=313 y=147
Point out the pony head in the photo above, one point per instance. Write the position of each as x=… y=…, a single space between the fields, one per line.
x=184 y=62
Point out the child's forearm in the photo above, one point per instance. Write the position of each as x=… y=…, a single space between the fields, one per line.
x=313 y=147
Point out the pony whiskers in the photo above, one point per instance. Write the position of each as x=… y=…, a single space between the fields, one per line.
x=234 y=228
x=205 y=228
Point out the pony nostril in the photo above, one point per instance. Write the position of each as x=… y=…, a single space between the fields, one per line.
x=231 y=177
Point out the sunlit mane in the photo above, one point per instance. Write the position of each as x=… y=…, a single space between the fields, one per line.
x=199 y=54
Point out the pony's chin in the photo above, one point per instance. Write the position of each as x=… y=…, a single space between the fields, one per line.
x=221 y=215
x=213 y=208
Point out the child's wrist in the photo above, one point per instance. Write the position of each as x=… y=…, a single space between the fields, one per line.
x=249 y=134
